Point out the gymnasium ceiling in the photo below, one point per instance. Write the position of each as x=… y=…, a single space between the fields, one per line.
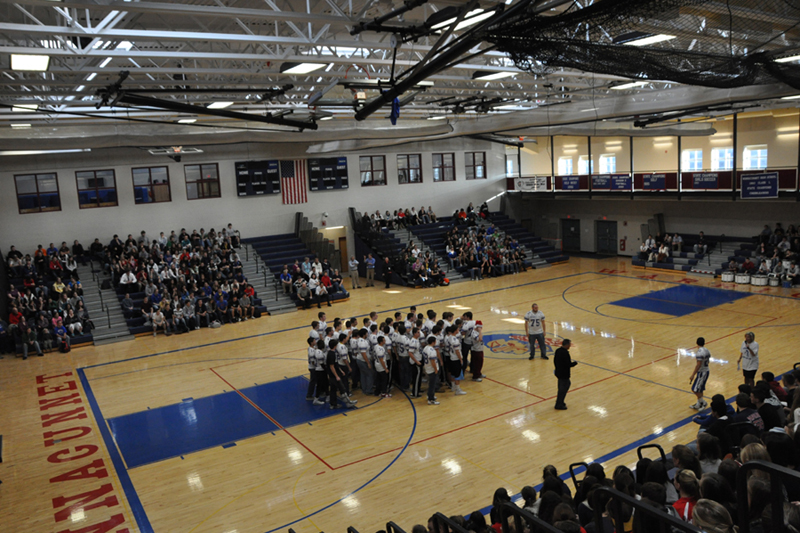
x=182 y=56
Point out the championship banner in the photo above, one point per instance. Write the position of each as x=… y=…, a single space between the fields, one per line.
x=535 y=184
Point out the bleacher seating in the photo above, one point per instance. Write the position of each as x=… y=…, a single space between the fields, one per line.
x=279 y=250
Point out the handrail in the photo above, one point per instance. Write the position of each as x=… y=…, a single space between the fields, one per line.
x=666 y=522
x=445 y=525
x=777 y=475
x=575 y=480
x=102 y=303
x=534 y=523
x=656 y=446
x=108 y=315
x=391 y=527
x=275 y=285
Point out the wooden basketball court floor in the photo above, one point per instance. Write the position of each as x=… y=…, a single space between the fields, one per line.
x=210 y=431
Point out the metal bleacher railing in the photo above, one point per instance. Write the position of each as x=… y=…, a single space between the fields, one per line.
x=666 y=523
x=777 y=475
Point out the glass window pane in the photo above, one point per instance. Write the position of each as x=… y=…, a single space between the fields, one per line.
x=480 y=157
x=402 y=176
x=415 y=175
x=448 y=174
x=470 y=173
x=47 y=183
x=192 y=172
x=402 y=161
x=379 y=177
x=479 y=172
x=106 y=177
x=210 y=172
x=26 y=184
x=141 y=176
x=437 y=174
x=192 y=191
x=377 y=163
x=437 y=160
x=414 y=161
x=159 y=174
x=366 y=178
x=213 y=190
x=364 y=163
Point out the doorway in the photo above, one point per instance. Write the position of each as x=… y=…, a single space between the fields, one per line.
x=571 y=234
x=343 y=254
x=606 y=237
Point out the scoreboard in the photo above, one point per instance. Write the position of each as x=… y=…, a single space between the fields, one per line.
x=257 y=178
x=327 y=173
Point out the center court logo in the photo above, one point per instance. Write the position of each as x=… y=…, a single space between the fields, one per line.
x=512 y=345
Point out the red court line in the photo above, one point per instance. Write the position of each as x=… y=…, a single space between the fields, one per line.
x=511 y=387
x=272 y=419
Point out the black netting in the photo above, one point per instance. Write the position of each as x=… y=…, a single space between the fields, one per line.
x=718 y=43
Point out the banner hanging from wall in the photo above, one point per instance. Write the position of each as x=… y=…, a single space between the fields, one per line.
x=758 y=186
x=535 y=184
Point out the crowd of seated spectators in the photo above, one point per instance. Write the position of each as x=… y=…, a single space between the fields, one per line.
x=660 y=248
x=702 y=489
x=45 y=299
x=401 y=218
x=312 y=281
x=469 y=216
x=185 y=280
x=482 y=252
x=776 y=255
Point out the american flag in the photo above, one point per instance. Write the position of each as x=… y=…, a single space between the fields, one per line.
x=293 y=182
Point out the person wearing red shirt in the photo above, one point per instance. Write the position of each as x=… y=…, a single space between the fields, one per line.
x=15 y=320
x=249 y=291
x=689 y=490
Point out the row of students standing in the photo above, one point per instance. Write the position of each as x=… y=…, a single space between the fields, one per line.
x=403 y=351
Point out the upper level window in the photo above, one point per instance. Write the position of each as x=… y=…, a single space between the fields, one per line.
x=755 y=157
x=475 y=165
x=37 y=192
x=584 y=167
x=202 y=181
x=608 y=164
x=409 y=168
x=692 y=160
x=373 y=170
x=151 y=185
x=722 y=159
x=565 y=166
x=96 y=188
x=444 y=167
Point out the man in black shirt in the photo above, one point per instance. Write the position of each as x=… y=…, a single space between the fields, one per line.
x=768 y=412
x=387 y=271
x=336 y=387
x=564 y=364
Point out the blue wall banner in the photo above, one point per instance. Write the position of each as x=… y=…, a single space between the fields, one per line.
x=755 y=186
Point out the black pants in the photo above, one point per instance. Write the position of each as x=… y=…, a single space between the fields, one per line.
x=305 y=301
x=326 y=297
x=465 y=351
x=344 y=373
x=383 y=381
x=335 y=387
x=563 y=388
x=416 y=379
x=315 y=384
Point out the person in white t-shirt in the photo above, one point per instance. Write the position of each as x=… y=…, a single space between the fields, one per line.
x=364 y=362
x=536 y=328
x=477 y=351
x=699 y=376
x=381 y=367
x=414 y=359
x=430 y=360
x=453 y=346
x=749 y=358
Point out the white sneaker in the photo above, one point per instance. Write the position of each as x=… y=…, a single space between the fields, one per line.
x=477 y=379
x=695 y=405
x=460 y=392
x=433 y=402
x=317 y=401
x=703 y=404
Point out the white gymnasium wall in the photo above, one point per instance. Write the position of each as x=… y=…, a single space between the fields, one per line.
x=252 y=216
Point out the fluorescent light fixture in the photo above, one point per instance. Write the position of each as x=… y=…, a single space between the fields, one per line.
x=650 y=39
x=43 y=152
x=613 y=143
x=91 y=76
x=487 y=75
x=438 y=117
x=29 y=62
x=788 y=59
x=19 y=126
x=300 y=68
x=630 y=85
x=219 y=105
x=187 y=121
x=24 y=108
x=334 y=227
x=105 y=62
x=570 y=146
x=326 y=118
x=795 y=97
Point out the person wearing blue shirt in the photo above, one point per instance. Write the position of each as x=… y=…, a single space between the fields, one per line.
x=369 y=261
x=306 y=267
x=286 y=281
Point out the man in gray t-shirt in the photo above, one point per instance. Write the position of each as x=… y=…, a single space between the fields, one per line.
x=535 y=329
